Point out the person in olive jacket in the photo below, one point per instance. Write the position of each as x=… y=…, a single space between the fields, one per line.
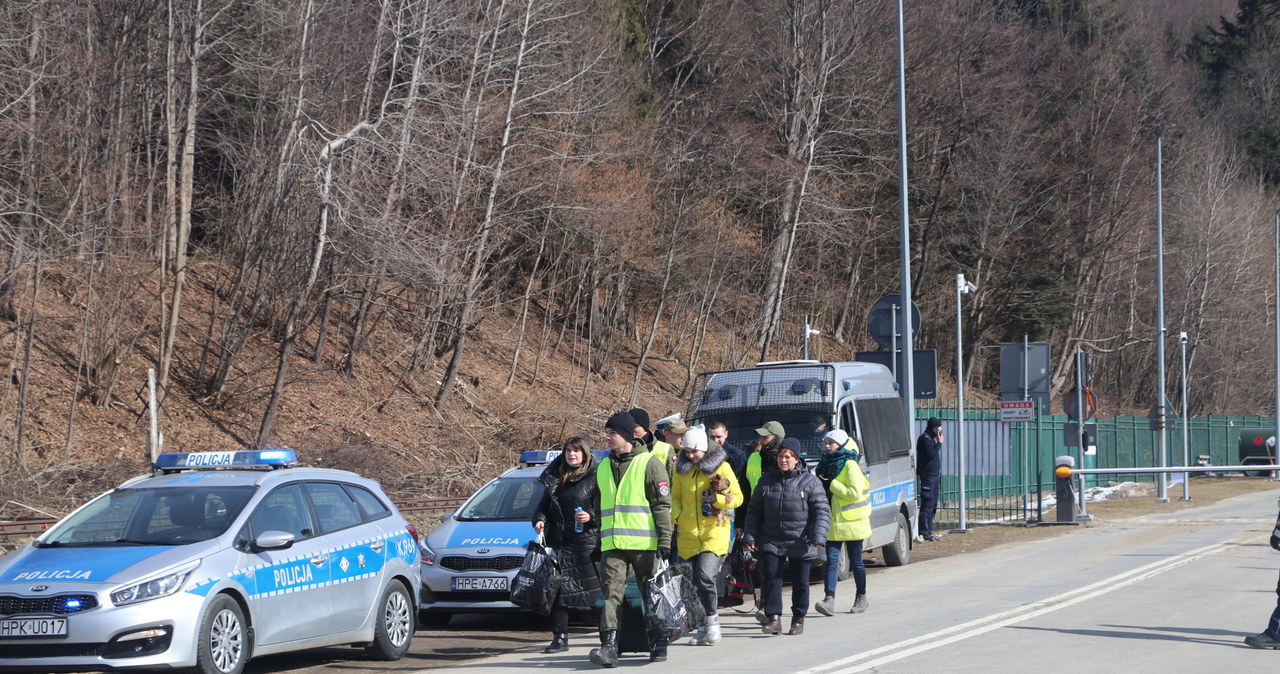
x=571 y=493
x=787 y=519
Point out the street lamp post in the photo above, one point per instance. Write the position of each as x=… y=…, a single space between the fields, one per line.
x=1162 y=480
x=1186 y=454
x=904 y=236
x=1276 y=446
x=963 y=287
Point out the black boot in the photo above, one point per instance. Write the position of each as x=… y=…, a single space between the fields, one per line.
x=559 y=644
x=658 y=653
x=607 y=654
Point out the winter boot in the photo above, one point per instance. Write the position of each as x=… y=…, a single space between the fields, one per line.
x=658 y=653
x=713 y=630
x=1262 y=640
x=607 y=654
x=774 y=626
x=697 y=638
x=709 y=634
x=859 y=604
x=559 y=644
x=827 y=606
x=797 y=624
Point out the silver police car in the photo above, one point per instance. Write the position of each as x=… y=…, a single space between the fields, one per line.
x=212 y=559
x=469 y=560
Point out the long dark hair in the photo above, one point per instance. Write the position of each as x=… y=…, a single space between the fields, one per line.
x=583 y=445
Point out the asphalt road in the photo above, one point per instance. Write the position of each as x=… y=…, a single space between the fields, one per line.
x=1163 y=593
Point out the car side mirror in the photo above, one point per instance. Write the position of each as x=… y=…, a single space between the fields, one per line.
x=273 y=540
x=446 y=517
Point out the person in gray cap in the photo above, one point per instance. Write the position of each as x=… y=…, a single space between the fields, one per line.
x=929 y=470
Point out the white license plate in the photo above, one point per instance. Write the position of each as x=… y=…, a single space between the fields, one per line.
x=498 y=583
x=30 y=628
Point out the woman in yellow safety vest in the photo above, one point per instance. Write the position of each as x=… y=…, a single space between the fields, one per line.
x=850 y=493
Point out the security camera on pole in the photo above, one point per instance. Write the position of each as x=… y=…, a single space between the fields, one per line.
x=963 y=287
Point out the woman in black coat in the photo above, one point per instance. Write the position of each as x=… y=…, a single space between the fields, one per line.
x=571 y=488
x=787 y=520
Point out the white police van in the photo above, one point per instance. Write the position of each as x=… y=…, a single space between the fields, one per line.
x=810 y=398
x=212 y=559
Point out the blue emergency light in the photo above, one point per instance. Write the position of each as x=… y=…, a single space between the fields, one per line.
x=259 y=458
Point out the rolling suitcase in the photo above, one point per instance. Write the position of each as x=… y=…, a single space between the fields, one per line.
x=633 y=636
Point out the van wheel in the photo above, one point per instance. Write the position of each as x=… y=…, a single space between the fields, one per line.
x=394 y=627
x=223 y=646
x=898 y=552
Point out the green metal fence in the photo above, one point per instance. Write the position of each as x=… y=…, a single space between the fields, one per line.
x=1009 y=465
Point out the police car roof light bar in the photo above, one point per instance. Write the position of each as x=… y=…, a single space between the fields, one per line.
x=269 y=459
x=537 y=457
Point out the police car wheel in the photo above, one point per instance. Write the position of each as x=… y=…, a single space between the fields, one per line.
x=394 y=629
x=223 y=645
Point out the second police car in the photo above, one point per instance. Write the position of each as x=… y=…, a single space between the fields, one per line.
x=212 y=559
x=469 y=560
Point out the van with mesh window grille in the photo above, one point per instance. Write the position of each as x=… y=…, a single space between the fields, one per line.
x=810 y=398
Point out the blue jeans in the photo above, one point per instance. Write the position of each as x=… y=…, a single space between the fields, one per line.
x=773 y=569
x=858 y=567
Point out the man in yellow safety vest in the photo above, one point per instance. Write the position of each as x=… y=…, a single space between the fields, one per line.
x=635 y=528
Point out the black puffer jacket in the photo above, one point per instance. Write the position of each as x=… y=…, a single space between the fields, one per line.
x=788 y=513
x=577 y=552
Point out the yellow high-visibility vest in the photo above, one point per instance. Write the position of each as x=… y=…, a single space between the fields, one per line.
x=754 y=471
x=626 y=522
x=662 y=450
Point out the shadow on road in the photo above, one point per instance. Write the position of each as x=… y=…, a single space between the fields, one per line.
x=1150 y=633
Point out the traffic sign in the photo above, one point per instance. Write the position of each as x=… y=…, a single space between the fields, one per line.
x=1018 y=410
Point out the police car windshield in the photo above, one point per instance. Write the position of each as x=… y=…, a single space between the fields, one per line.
x=510 y=498
x=804 y=425
x=170 y=516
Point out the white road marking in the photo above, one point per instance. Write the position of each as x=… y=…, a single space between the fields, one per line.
x=926 y=642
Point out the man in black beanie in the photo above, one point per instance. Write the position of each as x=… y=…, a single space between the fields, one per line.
x=634 y=502
x=643 y=431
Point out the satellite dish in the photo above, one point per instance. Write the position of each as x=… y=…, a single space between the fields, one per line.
x=880 y=320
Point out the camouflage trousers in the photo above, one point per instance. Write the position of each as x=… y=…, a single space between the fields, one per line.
x=614 y=568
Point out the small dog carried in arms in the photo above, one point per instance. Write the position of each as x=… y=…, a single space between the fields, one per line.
x=719 y=485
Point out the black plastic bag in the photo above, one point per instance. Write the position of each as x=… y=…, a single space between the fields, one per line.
x=535 y=585
x=740 y=582
x=672 y=607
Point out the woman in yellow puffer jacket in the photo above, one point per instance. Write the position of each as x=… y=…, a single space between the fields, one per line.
x=703 y=520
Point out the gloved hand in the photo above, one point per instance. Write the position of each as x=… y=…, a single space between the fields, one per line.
x=1275 y=538
x=664 y=553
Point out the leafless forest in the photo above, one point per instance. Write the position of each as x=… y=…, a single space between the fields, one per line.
x=488 y=223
